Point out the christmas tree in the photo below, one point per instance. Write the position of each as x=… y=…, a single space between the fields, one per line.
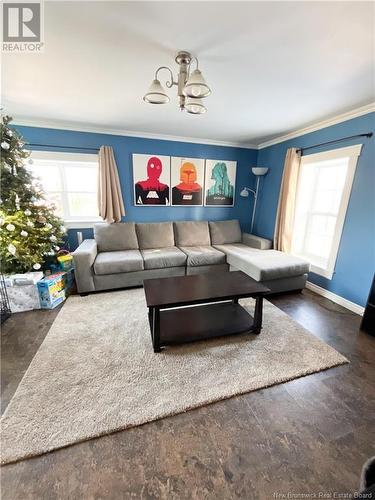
x=30 y=231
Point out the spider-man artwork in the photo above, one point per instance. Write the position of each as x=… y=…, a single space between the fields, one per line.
x=151 y=191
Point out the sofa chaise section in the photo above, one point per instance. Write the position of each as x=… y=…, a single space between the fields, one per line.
x=253 y=255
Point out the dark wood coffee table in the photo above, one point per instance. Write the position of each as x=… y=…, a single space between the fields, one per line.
x=172 y=322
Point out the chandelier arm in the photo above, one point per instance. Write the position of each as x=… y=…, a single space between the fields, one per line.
x=194 y=58
x=168 y=83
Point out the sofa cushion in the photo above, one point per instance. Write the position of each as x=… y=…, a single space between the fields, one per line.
x=158 y=258
x=117 y=236
x=155 y=235
x=123 y=261
x=264 y=265
x=225 y=231
x=203 y=256
x=192 y=233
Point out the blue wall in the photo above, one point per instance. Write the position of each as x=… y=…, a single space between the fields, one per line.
x=124 y=147
x=355 y=263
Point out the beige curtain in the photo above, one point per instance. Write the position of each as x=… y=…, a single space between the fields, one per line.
x=111 y=205
x=287 y=200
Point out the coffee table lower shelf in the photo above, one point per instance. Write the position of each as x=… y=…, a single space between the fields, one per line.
x=202 y=322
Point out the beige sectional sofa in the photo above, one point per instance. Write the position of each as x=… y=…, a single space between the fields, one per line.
x=123 y=255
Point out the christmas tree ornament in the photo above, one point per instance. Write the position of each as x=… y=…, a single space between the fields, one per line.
x=53 y=238
x=27 y=212
x=36 y=266
x=30 y=223
x=57 y=249
x=12 y=249
x=9 y=133
x=24 y=233
x=49 y=226
x=11 y=227
x=42 y=219
x=5 y=146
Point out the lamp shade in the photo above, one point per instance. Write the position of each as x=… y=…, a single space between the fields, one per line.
x=195 y=106
x=244 y=193
x=196 y=85
x=156 y=94
x=260 y=170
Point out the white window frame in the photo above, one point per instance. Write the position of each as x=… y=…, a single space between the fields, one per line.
x=70 y=222
x=351 y=152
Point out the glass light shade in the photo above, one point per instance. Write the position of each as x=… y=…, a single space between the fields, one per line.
x=260 y=170
x=244 y=193
x=156 y=94
x=196 y=85
x=195 y=106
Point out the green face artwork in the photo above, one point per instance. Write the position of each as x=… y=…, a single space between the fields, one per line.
x=222 y=186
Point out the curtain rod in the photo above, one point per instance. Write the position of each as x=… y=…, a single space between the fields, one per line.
x=368 y=135
x=30 y=144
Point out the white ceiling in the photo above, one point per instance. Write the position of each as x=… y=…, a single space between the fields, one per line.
x=273 y=66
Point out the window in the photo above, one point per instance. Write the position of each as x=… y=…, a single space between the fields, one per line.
x=323 y=192
x=70 y=182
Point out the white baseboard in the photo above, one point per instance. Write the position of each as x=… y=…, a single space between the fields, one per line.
x=335 y=298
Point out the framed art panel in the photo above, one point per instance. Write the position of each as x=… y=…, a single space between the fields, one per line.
x=187 y=181
x=220 y=183
x=151 y=179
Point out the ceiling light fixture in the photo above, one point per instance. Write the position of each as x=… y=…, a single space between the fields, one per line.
x=191 y=86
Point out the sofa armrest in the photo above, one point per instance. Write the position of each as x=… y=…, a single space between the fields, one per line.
x=84 y=257
x=256 y=241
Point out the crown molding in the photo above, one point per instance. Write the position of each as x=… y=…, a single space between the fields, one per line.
x=363 y=110
x=29 y=122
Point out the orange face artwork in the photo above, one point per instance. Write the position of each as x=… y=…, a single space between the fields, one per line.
x=189 y=191
x=188 y=173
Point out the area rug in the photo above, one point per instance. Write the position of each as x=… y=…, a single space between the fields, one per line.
x=96 y=372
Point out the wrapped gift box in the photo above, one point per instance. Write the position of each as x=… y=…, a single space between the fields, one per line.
x=23 y=292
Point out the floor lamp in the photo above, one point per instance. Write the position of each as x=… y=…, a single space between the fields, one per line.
x=258 y=172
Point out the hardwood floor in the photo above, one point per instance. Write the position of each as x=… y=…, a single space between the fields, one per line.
x=309 y=435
